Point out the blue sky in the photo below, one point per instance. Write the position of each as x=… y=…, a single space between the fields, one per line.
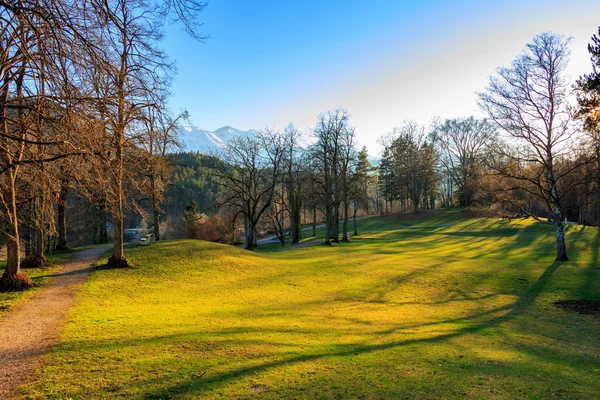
x=269 y=63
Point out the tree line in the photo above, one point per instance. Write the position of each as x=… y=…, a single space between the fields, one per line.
x=535 y=154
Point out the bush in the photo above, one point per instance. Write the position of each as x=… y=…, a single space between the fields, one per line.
x=212 y=229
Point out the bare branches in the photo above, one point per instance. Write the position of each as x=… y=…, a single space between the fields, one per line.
x=529 y=102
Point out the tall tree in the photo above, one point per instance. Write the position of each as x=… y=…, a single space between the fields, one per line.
x=464 y=145
x=588 y=97
x=347 y=164
x=528 y=100
x=157 y=139
x=359 y=184
x=327 y=153
x=250 y=170
x=293 y=162
x=38 y=81
x=133 y=70
x=411 y=166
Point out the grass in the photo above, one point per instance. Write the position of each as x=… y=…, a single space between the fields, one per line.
x=445 y=308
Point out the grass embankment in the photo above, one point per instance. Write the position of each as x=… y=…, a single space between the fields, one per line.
x=428 y=311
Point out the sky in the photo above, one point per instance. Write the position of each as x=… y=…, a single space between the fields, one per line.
x=275 y=62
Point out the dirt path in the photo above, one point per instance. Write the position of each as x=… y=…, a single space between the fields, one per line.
x=29 y=331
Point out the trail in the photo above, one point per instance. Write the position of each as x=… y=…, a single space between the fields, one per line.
x=28 y=332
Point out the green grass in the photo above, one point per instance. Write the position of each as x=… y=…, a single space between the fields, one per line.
x=427 y=311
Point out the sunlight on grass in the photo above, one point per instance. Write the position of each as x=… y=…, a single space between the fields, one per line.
x=441 y=307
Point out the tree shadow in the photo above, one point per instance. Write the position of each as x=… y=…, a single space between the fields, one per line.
x=522 y=304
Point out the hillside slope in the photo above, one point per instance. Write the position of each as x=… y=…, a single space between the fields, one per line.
x=443 y=307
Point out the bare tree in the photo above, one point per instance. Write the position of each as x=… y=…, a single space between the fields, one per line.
x=588 y=97
x=133 y=70
x=347 y=164
x=293 y=162
x=528 y=100
x=327 y=155
x=38 y=82
x=464 y=145
x=250 y=170
x=157 y=139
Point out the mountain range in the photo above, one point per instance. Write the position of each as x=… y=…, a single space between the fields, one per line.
x=193 y=138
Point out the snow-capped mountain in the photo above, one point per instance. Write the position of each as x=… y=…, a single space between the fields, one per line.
x=193 y=138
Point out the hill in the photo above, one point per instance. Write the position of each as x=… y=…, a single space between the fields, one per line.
x=441 y=307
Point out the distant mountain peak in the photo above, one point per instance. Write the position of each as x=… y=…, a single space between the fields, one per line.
x=206 y=141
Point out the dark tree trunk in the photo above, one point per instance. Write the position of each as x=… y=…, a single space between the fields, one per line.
x=62 y=219
x=250 y=241
x=250 y=234
x=329 y=222
x=37 y=234
x=345 y=223
x=283 y=213
x=12 y=278
x=156 y=222
x=118 y=257
x=103 y=233
x=314 y=224
x=295 y=217
x=354 y=218
x=336 y=224
x=246 y=232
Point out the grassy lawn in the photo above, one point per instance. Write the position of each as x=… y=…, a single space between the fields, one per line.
x=437 y=308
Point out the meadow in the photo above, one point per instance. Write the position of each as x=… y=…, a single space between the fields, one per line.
x=439 y=307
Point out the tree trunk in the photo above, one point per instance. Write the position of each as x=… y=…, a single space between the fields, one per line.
x=156 y=222
x=283 y=213
x=37 y=239
x=39 y=244
x=354 y=217
x=336 y=224
x=314 y=224
x=345 y=223
x=250 y=234
x=118 y=235
x=246 y=232
x=597 y=222
x=103 y=235
x=561 y=248
x=295 y=217
x=118 y=258
x=62 y=219
x=12 y=278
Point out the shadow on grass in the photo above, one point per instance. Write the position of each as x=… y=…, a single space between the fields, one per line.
x=200 y=383
x=592 y=272
x=524 y=302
